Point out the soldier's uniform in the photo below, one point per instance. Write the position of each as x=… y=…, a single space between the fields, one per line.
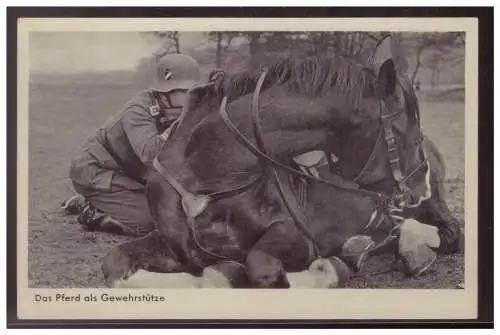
x=110 y=171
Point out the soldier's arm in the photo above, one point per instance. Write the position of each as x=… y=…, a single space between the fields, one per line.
x=142 y=133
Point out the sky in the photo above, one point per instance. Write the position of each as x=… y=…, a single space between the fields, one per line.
x=73 y=52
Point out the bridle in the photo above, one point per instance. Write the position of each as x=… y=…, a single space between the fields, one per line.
x=400 y=196
x=395 y=203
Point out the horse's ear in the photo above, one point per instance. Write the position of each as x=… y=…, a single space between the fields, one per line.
x=387 y=77
x=398 y=54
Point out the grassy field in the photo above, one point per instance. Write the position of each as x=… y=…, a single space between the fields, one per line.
x=62 y=255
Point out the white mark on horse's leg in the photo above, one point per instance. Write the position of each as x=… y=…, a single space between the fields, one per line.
x=415 y=243
x=415 y=233
x=304 y=279
x=322 y=273
x=212 y=278
x=146 y=279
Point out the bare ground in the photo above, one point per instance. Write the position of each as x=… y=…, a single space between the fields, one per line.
x=62 y=255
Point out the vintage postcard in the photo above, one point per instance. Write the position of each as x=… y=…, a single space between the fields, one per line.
x=247 y=168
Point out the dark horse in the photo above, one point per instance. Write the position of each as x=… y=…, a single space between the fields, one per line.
x=214 y=200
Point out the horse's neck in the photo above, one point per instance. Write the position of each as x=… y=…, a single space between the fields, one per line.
x=173 y=151
x=282 y=109
x=358 y=153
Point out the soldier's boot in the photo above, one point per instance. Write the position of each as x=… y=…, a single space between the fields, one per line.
x=74 y=205
x=93 y=219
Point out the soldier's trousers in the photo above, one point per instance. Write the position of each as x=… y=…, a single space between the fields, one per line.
x=128 y=206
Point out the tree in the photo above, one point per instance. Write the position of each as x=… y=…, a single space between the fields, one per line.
x=351 y=45
x=170 y=41
x=222 y=41
x=254 y=46
x=439 y=44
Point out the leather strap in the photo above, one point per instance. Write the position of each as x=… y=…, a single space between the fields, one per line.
x=159 y=107
x=390 y=140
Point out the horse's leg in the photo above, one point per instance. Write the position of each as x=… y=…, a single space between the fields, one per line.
x=165 y=206
x=349 y=228
x=151 y=252
x=165 y=249
x=283 y=258
x=435 y=210
x=277 y=248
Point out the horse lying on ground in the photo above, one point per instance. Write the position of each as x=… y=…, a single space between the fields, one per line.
x=217 y=204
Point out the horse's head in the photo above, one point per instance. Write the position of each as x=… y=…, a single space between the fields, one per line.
x=390 y=139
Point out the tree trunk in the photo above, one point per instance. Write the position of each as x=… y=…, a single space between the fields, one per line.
x=175 y=38
x=218 y=50
x=433 y=77
x=254 y=49
x=417 y=66
x=177 y=45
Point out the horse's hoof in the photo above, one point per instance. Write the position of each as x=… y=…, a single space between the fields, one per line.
x=211 y=278
x=265 y=271
x=329 y=272
x=458 y=245
x=418 y=260
x=355 y=251
x=450 y=245
x=224 y=275
x=116 y=266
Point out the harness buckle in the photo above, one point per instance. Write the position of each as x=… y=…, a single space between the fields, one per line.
x=401 y=200
x=154 y=110
x=391 y=148
x=390 y=140
x=394 y=161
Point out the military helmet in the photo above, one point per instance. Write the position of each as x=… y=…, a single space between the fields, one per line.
x=176 y=71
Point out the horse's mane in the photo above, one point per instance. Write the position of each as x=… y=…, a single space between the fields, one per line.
x=347 y=80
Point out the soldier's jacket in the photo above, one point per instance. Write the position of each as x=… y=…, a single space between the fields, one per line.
x=122 y=150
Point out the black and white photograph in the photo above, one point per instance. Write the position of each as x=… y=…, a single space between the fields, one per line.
x=232 y=159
